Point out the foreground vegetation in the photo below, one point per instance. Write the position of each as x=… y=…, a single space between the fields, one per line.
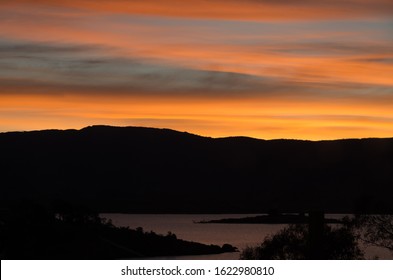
x=33 y=232
x=336 y=242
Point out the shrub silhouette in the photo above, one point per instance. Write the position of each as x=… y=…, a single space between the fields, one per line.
x=73 y=232
x=376 y=230
x=292 y=243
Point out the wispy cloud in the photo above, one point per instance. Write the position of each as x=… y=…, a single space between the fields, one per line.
x=270 y=69
x=231 y=9
x=83 y=69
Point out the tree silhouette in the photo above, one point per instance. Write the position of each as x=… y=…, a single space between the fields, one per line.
x=376 y=230
x=293 y=242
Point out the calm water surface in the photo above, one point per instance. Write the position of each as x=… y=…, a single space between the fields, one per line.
x=238 y=235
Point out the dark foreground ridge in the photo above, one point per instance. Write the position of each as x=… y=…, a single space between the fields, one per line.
x=33 y=232
x=147 y=170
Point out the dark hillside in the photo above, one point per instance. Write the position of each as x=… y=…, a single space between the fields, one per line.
x=135 y=169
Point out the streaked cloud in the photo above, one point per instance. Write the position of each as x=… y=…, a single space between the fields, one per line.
x=231 y=9
x=268 y=69
x=81 y=68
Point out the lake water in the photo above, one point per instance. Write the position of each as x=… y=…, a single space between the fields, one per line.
x=238 y=235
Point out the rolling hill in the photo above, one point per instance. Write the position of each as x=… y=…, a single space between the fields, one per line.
x=148 y=170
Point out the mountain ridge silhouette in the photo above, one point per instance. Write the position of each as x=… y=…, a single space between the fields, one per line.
x=149 y=170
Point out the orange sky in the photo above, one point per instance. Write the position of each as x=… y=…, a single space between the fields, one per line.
x=230 y=9
x=215 y=68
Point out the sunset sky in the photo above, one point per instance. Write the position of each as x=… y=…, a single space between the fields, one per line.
x=268 y=69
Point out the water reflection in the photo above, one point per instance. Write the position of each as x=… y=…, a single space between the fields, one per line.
x=238 y=235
